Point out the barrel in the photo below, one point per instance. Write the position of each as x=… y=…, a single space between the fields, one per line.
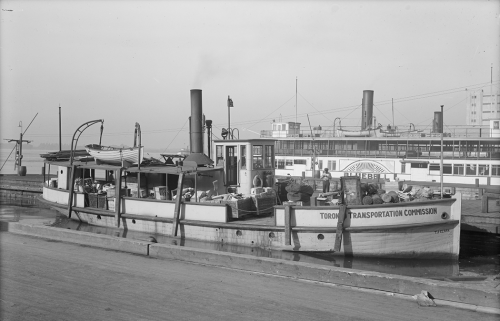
x=22 y=171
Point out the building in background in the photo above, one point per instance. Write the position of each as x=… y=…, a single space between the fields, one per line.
x=483 y=106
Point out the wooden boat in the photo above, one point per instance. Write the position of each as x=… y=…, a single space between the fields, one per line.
x=115 y=155
x=424 y=229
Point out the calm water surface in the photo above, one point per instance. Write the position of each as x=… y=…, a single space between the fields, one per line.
x=480 y=256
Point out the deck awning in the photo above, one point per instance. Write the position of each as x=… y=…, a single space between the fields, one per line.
x=144 y=169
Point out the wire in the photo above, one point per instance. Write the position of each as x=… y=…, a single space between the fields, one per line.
x=175 y=136
x=271 y=112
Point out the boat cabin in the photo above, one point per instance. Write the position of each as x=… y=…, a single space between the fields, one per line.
x=247 y=163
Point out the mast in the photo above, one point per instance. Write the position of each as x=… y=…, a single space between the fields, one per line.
x=441 y=163
x=60 y=143
x=392 y=112
x=295 y=126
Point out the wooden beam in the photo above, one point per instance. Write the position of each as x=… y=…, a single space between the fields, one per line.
x=118 y=195
x=340 y=227
x=178 y=203
x=288 y=225
x=71 y=190
x=138 y=184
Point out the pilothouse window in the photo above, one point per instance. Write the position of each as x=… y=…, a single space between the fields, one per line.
x=257 y=156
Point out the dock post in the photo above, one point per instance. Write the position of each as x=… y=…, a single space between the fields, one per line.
x=71 y=190
x=484 y=204
x=118 y=195
x=177 y=210
x=340 y=227
x=288 y=227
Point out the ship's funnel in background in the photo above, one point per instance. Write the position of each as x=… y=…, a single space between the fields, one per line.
x=196 y=130
x=437 y=124
x=367 y=109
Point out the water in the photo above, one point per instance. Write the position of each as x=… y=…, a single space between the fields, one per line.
x=480 y=255
x=33 y=161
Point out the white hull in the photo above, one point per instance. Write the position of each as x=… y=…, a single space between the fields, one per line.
x=404 y=230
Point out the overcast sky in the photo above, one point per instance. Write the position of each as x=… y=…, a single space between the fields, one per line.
x=136 y=61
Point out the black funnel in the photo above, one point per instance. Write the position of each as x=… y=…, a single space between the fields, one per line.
x=196 y=134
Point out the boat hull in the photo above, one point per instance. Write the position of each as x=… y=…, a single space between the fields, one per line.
x=409 y=236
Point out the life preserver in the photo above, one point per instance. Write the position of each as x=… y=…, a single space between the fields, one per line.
x=257 y=181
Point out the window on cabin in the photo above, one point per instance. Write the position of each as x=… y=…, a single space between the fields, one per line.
x=458 y=169
x=470 y=169
x=268 y=156
x=289 y=162
x=332 y=165
x=495 y=170
x=299 y=161
x=484 y=170
x=243 y=157
x=436 y=169
x=257 y=157
x=280 y=163
x=219 y=155
x=418 y=165
x=403 y=168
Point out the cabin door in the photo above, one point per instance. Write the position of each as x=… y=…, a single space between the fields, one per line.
x=231 y=166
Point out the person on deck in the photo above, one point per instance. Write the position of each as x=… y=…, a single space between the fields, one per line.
x=326 y=177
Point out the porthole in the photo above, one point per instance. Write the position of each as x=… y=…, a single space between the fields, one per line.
x=133 y=221
x=239 y=233
x=321 y=236
x=445 y=216
x=271 y=235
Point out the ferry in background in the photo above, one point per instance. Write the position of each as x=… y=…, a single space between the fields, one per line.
x=471 y=154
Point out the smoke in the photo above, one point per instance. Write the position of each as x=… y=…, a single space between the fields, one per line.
x=209 y=68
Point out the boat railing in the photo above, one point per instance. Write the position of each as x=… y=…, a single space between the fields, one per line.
x=389 y=154
x=459 y=131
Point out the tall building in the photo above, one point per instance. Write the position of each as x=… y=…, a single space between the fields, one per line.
x=483 y=105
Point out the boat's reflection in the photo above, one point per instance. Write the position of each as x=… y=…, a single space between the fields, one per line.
x=407 y=267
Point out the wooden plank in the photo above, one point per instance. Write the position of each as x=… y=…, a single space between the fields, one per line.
x=340 y=227
x=288 y=227
x=71 y=190
x=178 y=200
x=118 y=195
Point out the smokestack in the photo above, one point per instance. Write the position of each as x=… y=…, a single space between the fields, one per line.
x=196 y=130
x=367 y=109
x=437 y=124
x=196 y=125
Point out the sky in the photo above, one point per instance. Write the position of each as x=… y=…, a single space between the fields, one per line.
x=136 y=61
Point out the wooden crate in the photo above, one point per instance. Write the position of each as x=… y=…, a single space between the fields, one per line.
x=264 y=204
x=102 y=201
x=93 y=200
x=240 y=207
